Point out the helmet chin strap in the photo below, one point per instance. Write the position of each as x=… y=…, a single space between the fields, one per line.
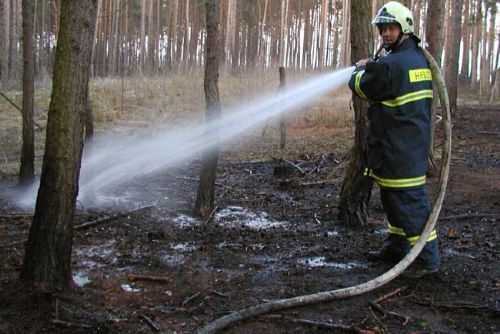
x=393 y=46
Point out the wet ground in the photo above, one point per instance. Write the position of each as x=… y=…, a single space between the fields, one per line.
x=274 y=235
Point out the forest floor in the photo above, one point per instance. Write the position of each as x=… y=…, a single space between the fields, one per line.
x=275 y=235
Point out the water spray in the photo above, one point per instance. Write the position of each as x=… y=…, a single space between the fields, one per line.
x=108 y=164
x=388 y=276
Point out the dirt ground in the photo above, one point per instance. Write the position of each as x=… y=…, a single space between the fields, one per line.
x=275 y=235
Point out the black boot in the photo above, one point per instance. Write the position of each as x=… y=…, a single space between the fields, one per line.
x=390 y=252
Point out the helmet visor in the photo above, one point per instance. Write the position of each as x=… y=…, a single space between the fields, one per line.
x=384 y=20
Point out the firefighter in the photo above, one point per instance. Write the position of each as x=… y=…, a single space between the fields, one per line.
x=398 y=86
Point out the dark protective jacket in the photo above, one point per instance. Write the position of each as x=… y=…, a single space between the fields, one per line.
x=399 y=88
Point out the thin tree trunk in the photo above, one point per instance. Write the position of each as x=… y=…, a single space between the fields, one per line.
x=476 y=40
x=356 y=189
x=27 y=167
x=262 y=43
x=281 y=90
x=204 y=205
x=13 y=39
x=47 y=260
x=324 y=26
x=434 y=37
x=142 y=52
x=346 y=31
x=464 y=72
x=454 y=50
x=4 y=40
x=484 y=74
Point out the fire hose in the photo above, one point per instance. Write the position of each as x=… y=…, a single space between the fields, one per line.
x=327 y=296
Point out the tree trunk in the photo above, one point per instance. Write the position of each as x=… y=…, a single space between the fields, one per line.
x=89 y=118
x=476 y=40
x=484 y=74
x=434 y=37
x=464 y=72
x=13 y=38
x=324 y=27
x=27 y=168
x=281 y=90
x=454 y=50
x=4 y=41
x=205 y=197
x=356 y=189
x=47 y=261
x=346 y=31
x=283 y=28
x=151 y=40
x=142 y=53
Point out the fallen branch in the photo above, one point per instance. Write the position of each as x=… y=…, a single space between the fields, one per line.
x=318 y=166
x=109 y=218
x=297 y=167
x=489 y=132
x=150 y=323
x=319 y=324
x=17 y=107
x=132 y=278
x=20 y=215
x=385 y=312
x=389 y=295
x=471 y=215
x=193 y=179
x=69 y=324
x=190 y=298
x=11 y=102
x=210 y=216
x=318 y=183
x=454 y=304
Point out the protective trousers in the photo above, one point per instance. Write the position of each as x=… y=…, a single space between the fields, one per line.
x=407 y=212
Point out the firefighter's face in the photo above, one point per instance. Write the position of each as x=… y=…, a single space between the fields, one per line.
x=390 y=33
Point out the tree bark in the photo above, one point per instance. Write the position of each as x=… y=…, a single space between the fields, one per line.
x=454 y=50
x=434 y=37
x=47 y=261
x=356 y=189
x=346 y=31
x=466 y=35
x=281 y=90
x=27 y=167
x=205 y=197
x=4 y=41
x=476 y=40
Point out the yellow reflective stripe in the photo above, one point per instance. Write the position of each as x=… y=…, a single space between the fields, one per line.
x=413 y=240
x=396 y=230
x=421 y=74
x=397 y=183
x=410 y=97
x=357 y=85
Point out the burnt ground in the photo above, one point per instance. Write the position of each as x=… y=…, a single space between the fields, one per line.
x=275 y=236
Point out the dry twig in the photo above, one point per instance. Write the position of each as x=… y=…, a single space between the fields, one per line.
x=471 y=215
x=386 y=312
x=190 y=298
x=319 y=324
x=69 y=324
x=109 y=218
x=150 y=323
x=389 y=295
x=132 y=278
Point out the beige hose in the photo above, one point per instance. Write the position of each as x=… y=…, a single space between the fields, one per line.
x=383 y=279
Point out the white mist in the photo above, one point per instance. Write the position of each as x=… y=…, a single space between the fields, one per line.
x=110 y=162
